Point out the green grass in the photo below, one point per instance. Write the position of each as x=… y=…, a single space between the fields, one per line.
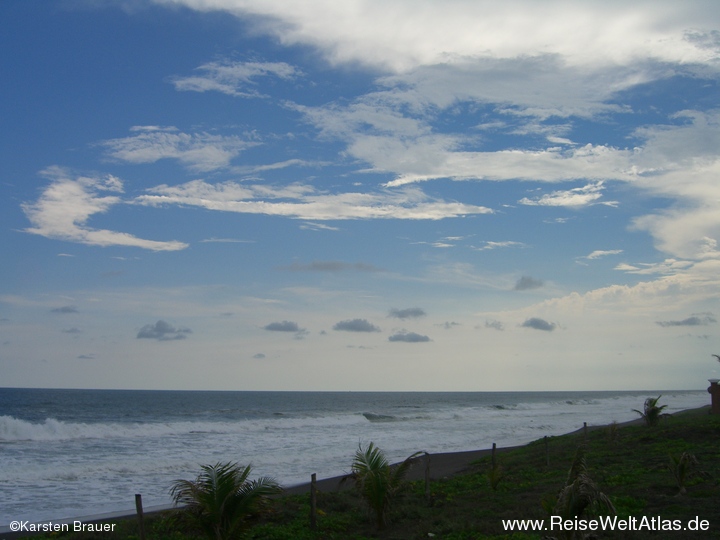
x=630 y=465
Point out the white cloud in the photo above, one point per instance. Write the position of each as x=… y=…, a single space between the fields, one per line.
x=530 y=61
x=304 y=202
x=380 y=131
x=668 y=267
x=404 y=34
x=197 y=151
x=495 y=245
x=233 y=78
x=685 y=232
x=681 y=163
x=250 y=169
x=603 y=253
x=65 y=206
x=629 y=312
x=576 y=197
x=681 y=284
x=309 y=226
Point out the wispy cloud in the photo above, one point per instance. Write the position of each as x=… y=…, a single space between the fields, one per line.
x=65 y=206
x=576 y=197
x=331 y=266
x=549 y=165
x=526 y=283
x=308 y=226
x=496 y=245
x=700 y=319
x=407 y=313
x=597 y=254
x=494 y=324
x=667 y=267
x=200 y=152
x=65 y=309
x=72 y=330
x=305 y=202
x=227 y=241
x=236 y=79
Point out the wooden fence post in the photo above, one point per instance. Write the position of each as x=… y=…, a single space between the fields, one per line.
x=427 y=476
x=494 y=448
x=139 y=509
x=313 y=501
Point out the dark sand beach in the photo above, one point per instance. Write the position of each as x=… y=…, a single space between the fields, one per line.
x=446 y=464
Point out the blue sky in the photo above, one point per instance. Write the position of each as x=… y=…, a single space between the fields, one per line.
x=360 y=195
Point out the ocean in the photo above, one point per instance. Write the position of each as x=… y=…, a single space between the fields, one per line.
x=76 y=453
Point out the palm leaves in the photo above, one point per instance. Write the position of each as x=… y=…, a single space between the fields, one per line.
x=377 y=481
x=221 y=498
x=682 y=467
x=580 y=494
x=651 y=412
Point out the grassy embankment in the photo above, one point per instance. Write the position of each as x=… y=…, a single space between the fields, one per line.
x=631 y=464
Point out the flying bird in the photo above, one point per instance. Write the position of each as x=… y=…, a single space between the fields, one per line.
x=717 y=356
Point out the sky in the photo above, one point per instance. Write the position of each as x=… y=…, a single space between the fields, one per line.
x=356 y=195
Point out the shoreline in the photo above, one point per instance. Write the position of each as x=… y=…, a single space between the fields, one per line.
x=442 y=465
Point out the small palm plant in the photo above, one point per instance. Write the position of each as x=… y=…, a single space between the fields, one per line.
x=378 y=482
x=613 y=432
x=579 y=496
x=682 y=467
x=221 y=499
x=651 y=412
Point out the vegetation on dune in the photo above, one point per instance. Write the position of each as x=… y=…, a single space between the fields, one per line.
x=683 y=467
x=626 y=467
x=221 y=499
x=378 y=482
x=580 y=497
x=652 y=412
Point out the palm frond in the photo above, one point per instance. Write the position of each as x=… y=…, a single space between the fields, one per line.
x=581 y=495
x=378 y=481
x=220 y=499
x=651 y=412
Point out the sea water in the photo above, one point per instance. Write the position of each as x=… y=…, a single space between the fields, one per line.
x=73 y=453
